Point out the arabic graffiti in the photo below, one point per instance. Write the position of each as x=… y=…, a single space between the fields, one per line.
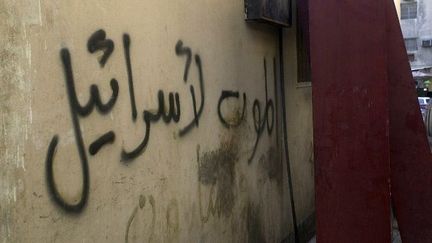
x=168 y=110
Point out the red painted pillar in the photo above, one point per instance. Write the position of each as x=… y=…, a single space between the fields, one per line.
x=351 y=131
x=369 y=136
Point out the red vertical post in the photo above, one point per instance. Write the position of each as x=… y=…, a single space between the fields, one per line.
x=351 y=120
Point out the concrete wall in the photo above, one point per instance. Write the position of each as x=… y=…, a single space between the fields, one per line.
x=397 y=5
x=79 y=168
x=419 y=28
x=300 y=136
x=424 y=30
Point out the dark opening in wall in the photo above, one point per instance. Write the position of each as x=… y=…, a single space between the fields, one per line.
x=411 y=57
x=303 y=46
x=277 y=12
x=427 y=43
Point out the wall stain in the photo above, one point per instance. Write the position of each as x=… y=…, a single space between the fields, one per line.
x=142 y=202
x=271 y=166
x=129 y=223
x=255 y=228
x=216 y=169
x=172 y=221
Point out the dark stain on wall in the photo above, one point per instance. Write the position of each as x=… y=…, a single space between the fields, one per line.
x=254 y=224
x=270 y=164
x=217 y=169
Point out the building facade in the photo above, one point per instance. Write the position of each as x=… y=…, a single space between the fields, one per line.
x=95 y=149
x=416 y=23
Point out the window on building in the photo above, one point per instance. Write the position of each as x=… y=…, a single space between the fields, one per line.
x=303 y=48
x=409 y=10
x=427 y=43
x=411 y=57
x=411 y=44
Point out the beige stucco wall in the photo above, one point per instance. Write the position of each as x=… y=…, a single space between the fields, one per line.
x=300 y=134
x=397 y=4
x=205 y=186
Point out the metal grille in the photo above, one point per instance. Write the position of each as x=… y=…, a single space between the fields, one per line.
x=409 y=10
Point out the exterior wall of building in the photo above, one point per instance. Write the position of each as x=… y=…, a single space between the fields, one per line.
x=300 y=134
x=420 y=29
x=208 y=168
x=397 y=4
x=424 y=55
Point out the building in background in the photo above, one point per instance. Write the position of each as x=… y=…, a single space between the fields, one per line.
x=416 y=23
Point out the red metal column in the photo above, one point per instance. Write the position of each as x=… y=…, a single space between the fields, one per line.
x=351 y=131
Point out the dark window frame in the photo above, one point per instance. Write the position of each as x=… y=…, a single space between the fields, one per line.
x=303 y=42
x=409 y=47
x=408 y=10
x=411 y=57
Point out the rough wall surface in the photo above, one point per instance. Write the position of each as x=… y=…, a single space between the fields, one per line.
x=300 y=133
x=351 y=124
x=132 y=121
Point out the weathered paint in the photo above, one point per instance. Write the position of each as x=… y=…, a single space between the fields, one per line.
x=351 y=131
x=370 y=138
x=300 y=135
x=15 y=107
